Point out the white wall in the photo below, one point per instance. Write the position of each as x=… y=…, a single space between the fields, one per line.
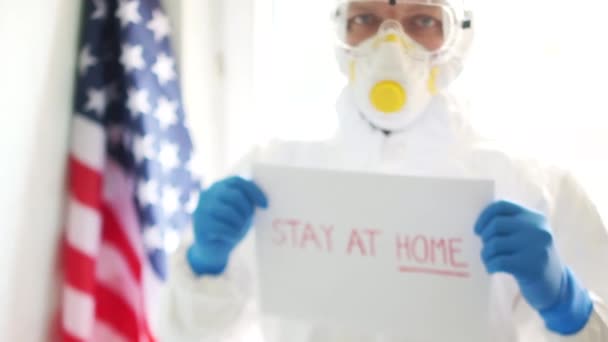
x=197 y=38
x=214 y=41
x=37 y=61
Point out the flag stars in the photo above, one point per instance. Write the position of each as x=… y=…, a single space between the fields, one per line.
x=148 y=192
x=97 y=101
x=143 y=148
x=170 y=200
x=132 y=57
x=168 y=157
x=166 y=112
x=164 y=69
x=128 y=12
x=86 y=59
x=159 y=25
x=138 y=102
x=101 y=9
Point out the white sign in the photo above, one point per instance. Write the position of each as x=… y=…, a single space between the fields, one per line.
x=374 y=253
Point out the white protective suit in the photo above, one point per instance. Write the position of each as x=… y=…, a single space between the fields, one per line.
x=439 y=143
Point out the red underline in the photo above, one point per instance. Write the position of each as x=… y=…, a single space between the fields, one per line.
x=407 y=269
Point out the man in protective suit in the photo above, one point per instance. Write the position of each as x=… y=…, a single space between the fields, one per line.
x=543 y=243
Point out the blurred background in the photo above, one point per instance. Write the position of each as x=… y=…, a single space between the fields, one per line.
x=253 y=70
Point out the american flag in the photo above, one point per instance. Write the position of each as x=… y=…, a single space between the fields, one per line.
x=132 y=183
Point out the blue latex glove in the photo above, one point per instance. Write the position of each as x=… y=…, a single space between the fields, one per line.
x=519 y=242
x=221 y=221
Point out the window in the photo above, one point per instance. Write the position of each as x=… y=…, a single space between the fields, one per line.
x=296 y=75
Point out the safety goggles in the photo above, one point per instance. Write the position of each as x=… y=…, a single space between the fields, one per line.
x=432 y=25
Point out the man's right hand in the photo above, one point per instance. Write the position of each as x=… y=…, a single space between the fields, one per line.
x=221 y=220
